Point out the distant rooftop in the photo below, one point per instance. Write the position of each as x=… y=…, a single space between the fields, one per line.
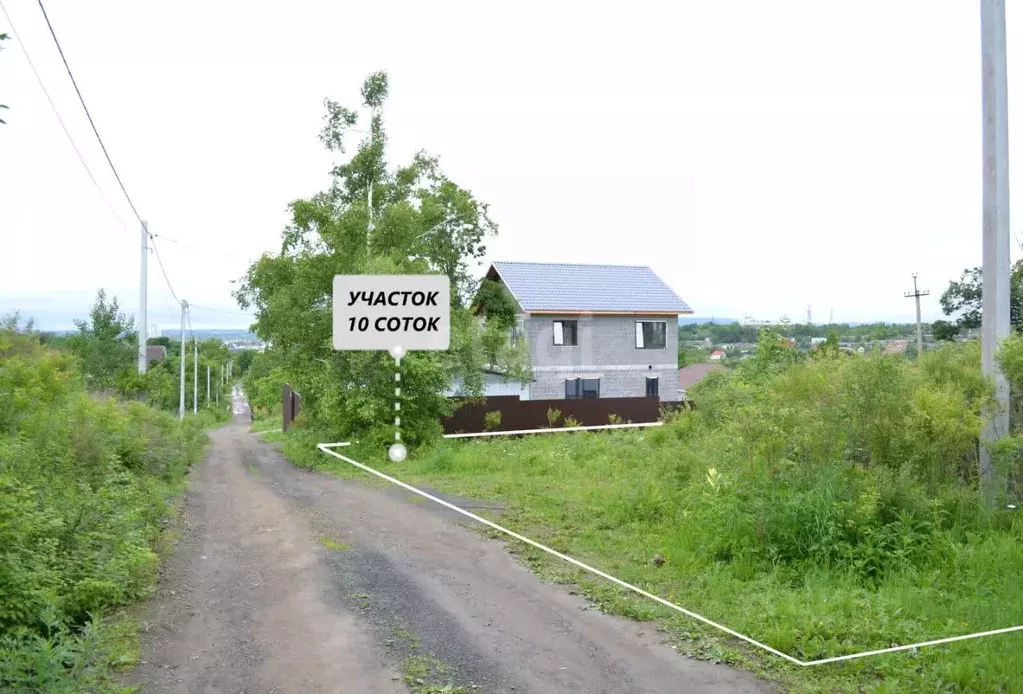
x=560 y=287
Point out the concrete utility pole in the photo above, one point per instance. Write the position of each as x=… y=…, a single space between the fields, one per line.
x=995 y=307
x=207 y=384
x=143 y=327
x=195 y=375
x=916 y=294
x=181 y=399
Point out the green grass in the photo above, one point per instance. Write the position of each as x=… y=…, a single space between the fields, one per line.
x=334 y=545
x=824 y=508
x=265 y=422
x=617 y=499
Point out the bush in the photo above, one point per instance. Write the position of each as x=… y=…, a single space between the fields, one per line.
x=492 y=421
x=571 y=422
x=553 y=415
x=84 y=484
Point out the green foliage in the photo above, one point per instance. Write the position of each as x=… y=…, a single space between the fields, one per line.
x=553 y=415
x=372 y=220
x=823 y=506
x=494 y=302
x=571 y=422
x=84 y=483
x=963 y=298
x=692 y=355
x=732 y=333
x=106 y=344
x=492 y=421
x=944 y=331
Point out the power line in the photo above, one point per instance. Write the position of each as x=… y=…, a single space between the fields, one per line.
x=60 y=120
x=163 y=270
x=88 y=115
x=219 y=310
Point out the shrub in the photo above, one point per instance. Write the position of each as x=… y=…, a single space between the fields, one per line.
x=553 y=415
x=492 y=421
x=84 y=483
x=571 y=422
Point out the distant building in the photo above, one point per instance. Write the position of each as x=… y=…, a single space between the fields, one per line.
x=717 y=355
x=896 y=347
x=593 y=331
x=155 y=353
x=817 y=341
x=689 y=376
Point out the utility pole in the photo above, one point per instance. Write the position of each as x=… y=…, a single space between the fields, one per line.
x=995 y=321
x=195 y=375
x=809 y=315
x=369 y=227
x=207 y=384
x=143 y=328
x=181 y=399
x=916 y=294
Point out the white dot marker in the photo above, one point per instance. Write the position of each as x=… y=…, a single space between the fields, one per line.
x=397 y=453
x=397 y=352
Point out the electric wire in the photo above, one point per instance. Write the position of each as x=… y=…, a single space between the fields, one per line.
x=95 y=130
x=219 y=310
x=53 y=107
x=86 y=108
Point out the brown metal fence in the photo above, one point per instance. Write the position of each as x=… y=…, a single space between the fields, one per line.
x=532 y=414
x=292 y=405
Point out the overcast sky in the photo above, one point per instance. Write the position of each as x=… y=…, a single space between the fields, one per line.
x=760 y=156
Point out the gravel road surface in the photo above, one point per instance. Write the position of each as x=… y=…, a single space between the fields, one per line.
x=286 y=580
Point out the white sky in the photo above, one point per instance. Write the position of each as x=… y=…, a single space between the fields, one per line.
x=760 y=156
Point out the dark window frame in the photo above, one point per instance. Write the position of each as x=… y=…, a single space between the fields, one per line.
x=564 y=333
x=652 y=333
x=582 y=388
x=654 y=392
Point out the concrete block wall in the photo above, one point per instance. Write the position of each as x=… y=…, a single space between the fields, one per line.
x=606 y=349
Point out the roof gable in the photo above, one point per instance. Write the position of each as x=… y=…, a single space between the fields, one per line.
x=568 y=288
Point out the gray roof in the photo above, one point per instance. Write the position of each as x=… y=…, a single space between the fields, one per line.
x=582 y=288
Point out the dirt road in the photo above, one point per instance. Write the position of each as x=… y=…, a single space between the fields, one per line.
x=290 y=581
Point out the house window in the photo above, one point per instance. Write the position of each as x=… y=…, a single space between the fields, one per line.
x=576 y=388
x=651 y=334
x=652 y=387
x=518 y=331
x=566 y=332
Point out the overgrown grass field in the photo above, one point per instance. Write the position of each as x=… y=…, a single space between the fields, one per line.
x=823 y=508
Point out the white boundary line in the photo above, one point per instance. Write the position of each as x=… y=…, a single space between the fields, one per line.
x=325 y=447
x=552 y=431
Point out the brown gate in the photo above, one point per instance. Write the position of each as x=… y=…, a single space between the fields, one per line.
x=292 y=405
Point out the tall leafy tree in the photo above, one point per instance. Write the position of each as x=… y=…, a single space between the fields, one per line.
x=964 y=299
x=105 y=343
x=374 y=219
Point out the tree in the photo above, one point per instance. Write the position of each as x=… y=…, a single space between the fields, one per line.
x=375 y=220
x=105 y=344
x=964 y=297
x=944 y=331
